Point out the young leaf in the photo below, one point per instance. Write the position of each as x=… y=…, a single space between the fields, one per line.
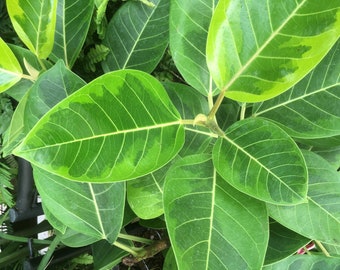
x=299 y=262
x=132 y=38
x=72 y=24
x=310 y=109
x=120 y=126
x=95 y=210
x=211 y=225
x=10 y=70
x=258 y=158
x=319 y=217
x=189 y=23
x=34 y=22
x=259 y=49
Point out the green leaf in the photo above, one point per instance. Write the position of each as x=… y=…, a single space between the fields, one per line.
x=258 y=158
x=51 y=87
x=259 y=49
x=319 y=217
x=75 y=239
x=145 y=194
x=106 y=256
x=120 y=126
x=211 y=225
x=299 y=262
x=73 y=21
x=310 y=109
x=10 y=70
x=332 y=155
x=189 y=23
x=283 y=243
x=170 y=261
x=137 y=36
x=34 y=22
x=95 y=210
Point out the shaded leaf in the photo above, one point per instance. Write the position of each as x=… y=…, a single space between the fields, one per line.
x=170 y=261
x=51 y=87
x=258 y=158
x=10 y=70
x=310 y=108
x=137 y=36
x=189 y=23
x=259 y=49
x=34 y=22
x=282 y=243
x=73 y=21
x=208 y=220
x=313 y=262
x=120 y=126
x=95 y=210
x=319 y=217
x=106 y=256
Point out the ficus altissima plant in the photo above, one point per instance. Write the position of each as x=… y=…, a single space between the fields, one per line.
x=237 y=153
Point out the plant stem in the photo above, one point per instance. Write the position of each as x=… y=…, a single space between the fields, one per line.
x=23 y=239
x=42 y=64
x=210 y=95
x=323 y=249
x=45 y=260
x=243 y=111
x=135 y=238
x=27 y=77
x=217 y=104
x=128 y=249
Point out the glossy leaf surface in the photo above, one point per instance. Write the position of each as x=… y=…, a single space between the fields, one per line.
x=260 y=159
x=137 y=36
x=189 y=23
x=208 y=220
x=310 y=109
x=312 y=262
x=10 y=70
x=34 y=22
x=259 y=49
x=92 y=209
x=73 y=21
x=322 y=209
x=120 y=126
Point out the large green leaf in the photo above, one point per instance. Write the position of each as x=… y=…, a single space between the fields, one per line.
x=51 y=87
x=34 y=22
x=299 y=262
x=258 y=49
x=92 y=209
x=120 y=126
x=137 y=36
x=319 y=217
x=211 y=225
x=189 y=23
x=73 y=21
x=310 y=109
x=10 y=70
x=260 y=159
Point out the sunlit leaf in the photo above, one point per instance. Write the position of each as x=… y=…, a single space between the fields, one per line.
x=258 y=49
x=10 y=70
x=189 y=23
x=211 y=225
x=95 y=210
x=260 y=159
x=319 y=217
x=34 y=22
x=137 y=36
x=120 y=126
x=310 y=109
x=73 y=21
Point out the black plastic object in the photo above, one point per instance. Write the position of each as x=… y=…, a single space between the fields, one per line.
x=26 y=204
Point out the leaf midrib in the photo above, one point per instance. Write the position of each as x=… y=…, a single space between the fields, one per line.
x=264 y=45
